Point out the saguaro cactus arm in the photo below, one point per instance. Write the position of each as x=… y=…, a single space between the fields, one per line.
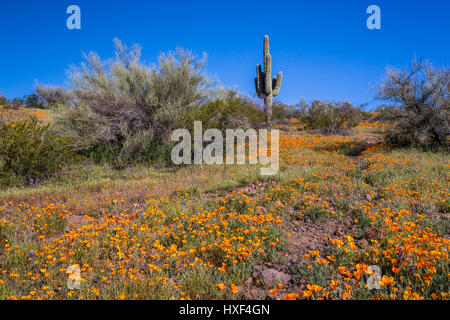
x=276 y=83
x=259 y=82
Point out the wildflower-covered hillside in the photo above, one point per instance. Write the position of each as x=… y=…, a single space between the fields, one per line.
x=345 y=218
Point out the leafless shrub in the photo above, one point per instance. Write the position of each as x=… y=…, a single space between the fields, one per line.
x=329 y=117
x=418 y=104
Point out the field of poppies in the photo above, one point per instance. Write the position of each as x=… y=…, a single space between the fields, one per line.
x=345 y=218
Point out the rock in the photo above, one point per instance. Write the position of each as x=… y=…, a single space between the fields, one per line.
x=292 y=211
x=364 y=243
x=372 y=233
x=272 y=277
x=348 y=221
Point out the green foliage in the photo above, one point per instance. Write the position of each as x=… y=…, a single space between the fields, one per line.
x=199 y=283
x=17 y=102
x=282 y=111
x=3 y=100
x=331 y=118
x=34 y=101
x=228 y=114
x=29 y=152
x=149 y=152
x=315 y=274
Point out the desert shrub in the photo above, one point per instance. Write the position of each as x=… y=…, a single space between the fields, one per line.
x=368 y=116
x=228 y=114
x=301 y=109
x=330 y=118
x=3 y=100
x=34 y=101
x=419 y=105
x=49 y=97
x=281 y=111
x=17 y=102
x=29 y=152
x=126 y=104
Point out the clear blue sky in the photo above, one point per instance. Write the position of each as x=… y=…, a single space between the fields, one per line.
x=323 y=47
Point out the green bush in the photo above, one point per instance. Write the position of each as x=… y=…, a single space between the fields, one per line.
x=281 y=112
x=29 y=152
x=228 y=114
x=331 y=118
x=34 y=101
x=113 y=154
x=3 y=100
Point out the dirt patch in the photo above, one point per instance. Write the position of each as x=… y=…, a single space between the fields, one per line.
x=305 y=236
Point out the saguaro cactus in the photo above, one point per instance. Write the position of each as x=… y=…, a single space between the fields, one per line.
x=266 y=87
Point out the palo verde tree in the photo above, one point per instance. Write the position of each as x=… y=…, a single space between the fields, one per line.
x=266 y=87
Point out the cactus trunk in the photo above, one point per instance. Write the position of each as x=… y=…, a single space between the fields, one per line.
x=268 y=100
x=266 y=87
